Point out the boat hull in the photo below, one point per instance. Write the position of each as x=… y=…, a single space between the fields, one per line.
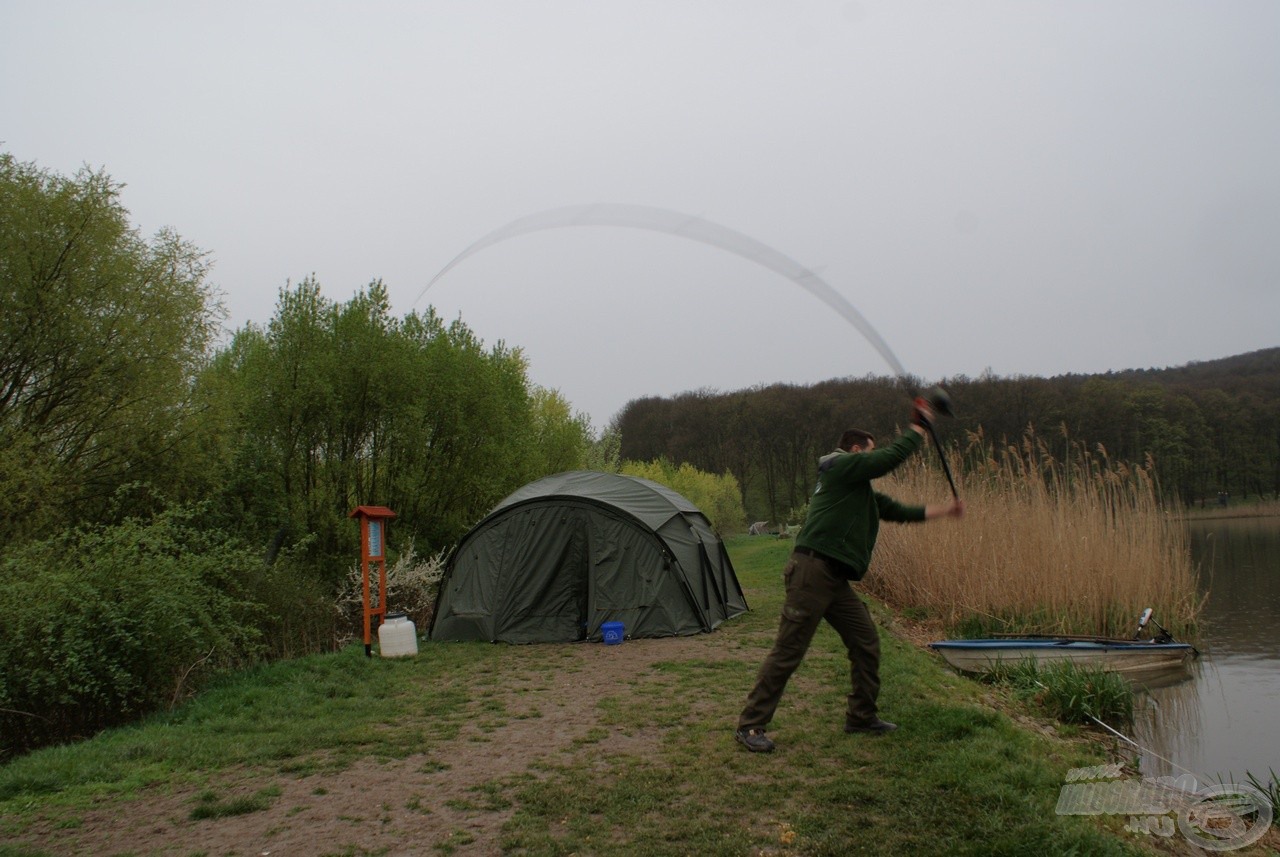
x=1132 y=659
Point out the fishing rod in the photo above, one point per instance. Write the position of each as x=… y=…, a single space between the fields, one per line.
x=939 y=400
x=706 y=232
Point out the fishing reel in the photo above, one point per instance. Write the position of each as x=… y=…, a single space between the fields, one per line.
x=937 y=399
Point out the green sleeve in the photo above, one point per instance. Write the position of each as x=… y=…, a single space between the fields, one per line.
x=883 y=459
x=892 y=510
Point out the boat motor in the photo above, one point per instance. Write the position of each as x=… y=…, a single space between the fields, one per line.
x=1142 y=623
x=1163 y=637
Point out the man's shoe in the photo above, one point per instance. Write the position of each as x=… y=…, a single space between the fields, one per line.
x=754 y=740
x=875 y=727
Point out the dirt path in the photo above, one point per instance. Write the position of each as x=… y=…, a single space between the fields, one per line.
x=415 y=805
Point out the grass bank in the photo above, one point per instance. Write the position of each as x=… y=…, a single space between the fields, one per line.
x=563 y=749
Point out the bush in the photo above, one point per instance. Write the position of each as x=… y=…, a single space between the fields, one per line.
x=719 y=497
x=101 y=625
x=412 y=584
x=297 y=616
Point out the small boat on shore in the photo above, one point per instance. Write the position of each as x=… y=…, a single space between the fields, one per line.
x=1135 y=658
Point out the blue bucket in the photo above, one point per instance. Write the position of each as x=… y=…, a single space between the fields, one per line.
x=613 y=633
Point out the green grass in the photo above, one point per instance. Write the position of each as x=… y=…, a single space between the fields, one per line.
x=1072 y=693
x=210 y=805
x=959 y=777
x=1269 y=785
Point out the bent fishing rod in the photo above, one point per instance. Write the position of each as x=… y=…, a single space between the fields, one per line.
x=712 y=234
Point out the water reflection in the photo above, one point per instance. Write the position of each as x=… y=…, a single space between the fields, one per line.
x=1145 y=682
x=1168 y=723
x=1239 y=565
x=1221 y=723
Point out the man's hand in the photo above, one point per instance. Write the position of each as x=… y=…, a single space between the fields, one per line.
x=921 y=415
x=954 y=509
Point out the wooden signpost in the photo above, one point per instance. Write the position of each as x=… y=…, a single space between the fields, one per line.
x=373 y=542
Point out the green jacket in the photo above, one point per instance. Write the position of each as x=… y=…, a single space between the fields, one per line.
x=845 y=510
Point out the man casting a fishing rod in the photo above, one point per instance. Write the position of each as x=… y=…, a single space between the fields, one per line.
x=833 y=548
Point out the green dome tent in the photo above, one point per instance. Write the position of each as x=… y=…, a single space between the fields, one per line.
x=562 y=555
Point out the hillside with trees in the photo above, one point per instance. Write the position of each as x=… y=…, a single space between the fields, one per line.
x=1210 y=428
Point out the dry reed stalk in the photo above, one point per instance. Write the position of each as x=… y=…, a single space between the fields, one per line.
x=1073 y=543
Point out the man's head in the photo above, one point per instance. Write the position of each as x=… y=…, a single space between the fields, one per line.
x=857 y=440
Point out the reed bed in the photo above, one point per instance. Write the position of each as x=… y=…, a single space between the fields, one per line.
x=1065 y=543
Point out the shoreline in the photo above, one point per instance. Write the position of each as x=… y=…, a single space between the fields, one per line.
x=1244 y=510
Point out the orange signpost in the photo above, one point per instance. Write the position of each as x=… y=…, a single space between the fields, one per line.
x=373 y=542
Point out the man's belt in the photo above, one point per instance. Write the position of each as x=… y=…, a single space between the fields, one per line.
x=841 y=568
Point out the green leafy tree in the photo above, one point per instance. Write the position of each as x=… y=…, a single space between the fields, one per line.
x=605 y=452
x=559 y=438
x=459 y=442
x=719 y=497
x=101 y=335
x=335 y=405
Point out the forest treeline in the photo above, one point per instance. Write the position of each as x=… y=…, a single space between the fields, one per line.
x=1211 y=429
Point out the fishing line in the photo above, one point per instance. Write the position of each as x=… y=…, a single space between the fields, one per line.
x=1132 y=742
x=695 y=229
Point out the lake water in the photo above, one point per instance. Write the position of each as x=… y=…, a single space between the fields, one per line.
x=1223 y=721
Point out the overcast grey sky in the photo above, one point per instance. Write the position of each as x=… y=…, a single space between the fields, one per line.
x=1026 y=187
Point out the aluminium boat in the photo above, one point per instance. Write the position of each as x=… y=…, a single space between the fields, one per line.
x=1135 y=658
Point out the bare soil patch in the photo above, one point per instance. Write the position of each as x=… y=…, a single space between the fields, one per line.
x=426 y=803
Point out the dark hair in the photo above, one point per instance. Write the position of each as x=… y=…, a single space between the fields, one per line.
x=855 y=437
